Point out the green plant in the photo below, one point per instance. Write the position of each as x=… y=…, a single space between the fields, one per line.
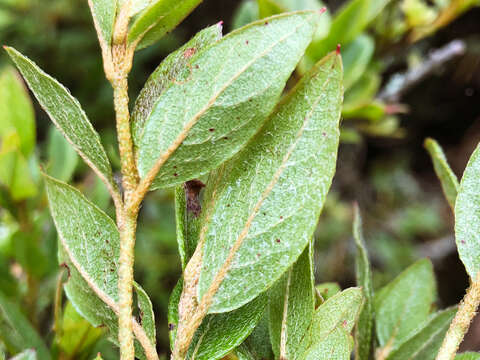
x=212 y=110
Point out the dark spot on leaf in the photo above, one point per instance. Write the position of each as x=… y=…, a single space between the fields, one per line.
x=211 y=129
x=266 y=22
x=228 y=205
x=175 y=166
x=175 y=174
x=192 y=191
x=264 y=213
x=462 y=241
x=246 y=42
x=324 y=133
x=281 y=217
x=344 y=323
x=171 y=327
x=277 y=240
x=225 y=138
x=258 y=255
x=189 y=52
x=197 y=67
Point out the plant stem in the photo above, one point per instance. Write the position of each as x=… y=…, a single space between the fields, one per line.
x=461 y=322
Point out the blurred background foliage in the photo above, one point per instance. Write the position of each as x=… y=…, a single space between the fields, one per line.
x=412 y=70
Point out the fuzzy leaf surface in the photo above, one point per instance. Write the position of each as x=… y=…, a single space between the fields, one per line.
x=337 y=345
x=404 y=304
x=16 y=332
x=67 y=115
x=425 y=344
x=103 y=13
x=89 y=247
x=219 y=333
x=291 y=307
x=221 y=98
x=364 y=329
x=448 y=179
x=159 y=18
x=269 y=196
x=467 y=216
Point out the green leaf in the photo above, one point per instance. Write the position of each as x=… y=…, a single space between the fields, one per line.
x=258 y=343
x=221 y=98
x=62 y=158
x=337 y=345
x=412 y=293
x=219 y=333
x=356 y=57
x=17 y=111
x=447 y=178
x=468 y=356
x=89 y=247
x=146 y=315
x=325 y=291
x=467 y=216
x=263 y=220
x=159 y=18
x=165 y=75
x=426 y=342
x=103 y=13
x=245 y=13
x=243 y=353
x=364 y=329
x=66 y=113
x=291 y=307
x=26 y=355
x=17 y=333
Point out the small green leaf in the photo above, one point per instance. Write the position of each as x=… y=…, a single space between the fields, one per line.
x=364 y=329
x=89 y=247
x=426 y=342
x=62 y=158
x=221 y=98
x=467 y=216
x=245 y=13
x=468 y=356
x=291 y=307
x=147 y=317
x=17 y=111
x=66 y=113
x=447 y=178
x=159 y=18
x=356 y=57
x=165 y=75
x=103 y=13
x=17 y=333
x=263 y=220
x=219 y=333
x=325 y=291
x=337 y=345
x=26 y=355
x=412 y=293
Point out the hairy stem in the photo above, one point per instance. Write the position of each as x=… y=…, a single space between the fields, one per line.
x=461 y=322
x=125 y=282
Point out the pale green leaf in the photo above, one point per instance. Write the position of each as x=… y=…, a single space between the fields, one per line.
x=426 y=342
x=467 y=216
x=337 y=345
x=356 y=57
x=16 y=111
x=62 y=158
x=364 y=329
x=89 y=247
x=404 y=304
x=166 y=74
x=325 y=291
x=245 y=13
x=26 y=355
x=264 y=219
x=17 y=333
x=291 y=307
x=103 y=13
x=258 y=343
x=219 y=333
x=159 y=18
x=221 y=98
x=66 y=113
x=468 y=356
x=447 y=178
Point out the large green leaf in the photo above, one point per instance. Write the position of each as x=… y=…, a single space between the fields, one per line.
x=89 y=247
x=103 y=13
x=426 y=342
x=165 y=75
x=158 y=19
x=219 y=333
x=221 y=97
x=270 y=195
x=16 y=111
x=467 y=216
x=447 y=178
x=26 y=355
x=412 y=293
x=337 y=345
x=66 y=113
x=291 y=307
x=364 y=329
x=17 y=333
